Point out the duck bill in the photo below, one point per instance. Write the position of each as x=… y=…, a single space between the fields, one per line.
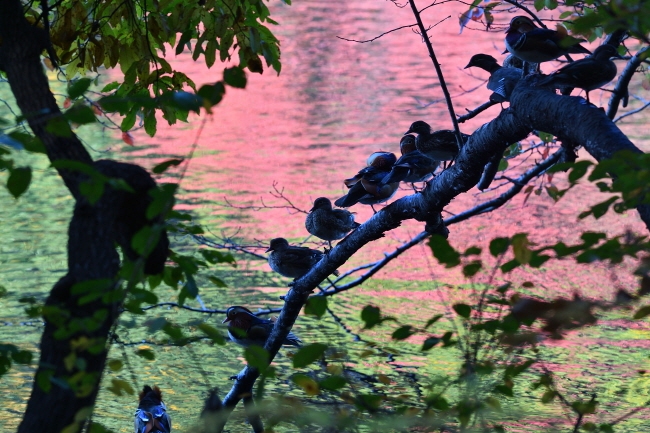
x=269 y=250
x=409 y=131
x=226 y=320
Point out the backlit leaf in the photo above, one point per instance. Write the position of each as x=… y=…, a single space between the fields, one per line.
x=19 y=180
x=308 y=354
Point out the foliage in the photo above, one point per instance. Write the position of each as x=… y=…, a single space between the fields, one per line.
x=495 y=334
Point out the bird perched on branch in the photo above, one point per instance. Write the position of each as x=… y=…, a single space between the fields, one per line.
x=533 y=44
x=246 y=329
x=366 y=186
x=151 y=415
x=327 y=223
x=413 y=165
x=502 y=80
x=439 y=145
x=589 y=73
x=291 y=261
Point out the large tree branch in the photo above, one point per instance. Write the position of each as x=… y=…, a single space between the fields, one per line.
x=22 y=45
x=568 y=118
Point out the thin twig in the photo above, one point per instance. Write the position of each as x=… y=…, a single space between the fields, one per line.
x=441 y=79
x=378 y=36
x=475 y=112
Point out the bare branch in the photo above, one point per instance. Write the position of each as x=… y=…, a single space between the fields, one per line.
x=378 y=36
x=441 y=78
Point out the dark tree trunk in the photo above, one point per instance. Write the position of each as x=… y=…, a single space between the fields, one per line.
x=83 y=306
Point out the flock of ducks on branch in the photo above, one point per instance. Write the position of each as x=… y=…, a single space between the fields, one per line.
x=422 y=152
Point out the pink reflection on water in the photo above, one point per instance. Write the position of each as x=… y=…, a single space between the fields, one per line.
x=334 y=104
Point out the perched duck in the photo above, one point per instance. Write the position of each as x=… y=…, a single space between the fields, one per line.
x=366 y=187
x=533 y=44
x=377 y=161
x=502 y=80
x=246 y=329
x=291 y=261
x=151 y=415
x=413 y=165
x=327 y=223
x=589 y=73
x=439 y=145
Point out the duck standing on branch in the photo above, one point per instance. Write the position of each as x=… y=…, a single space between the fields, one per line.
x=291 y=261
x=151 y=415
x=327 y=223
x=246 y=329
x=366 y=186
x=589 y=73
x=439 y=145
x=413 y=165
x=533 y=44
x=502 y=80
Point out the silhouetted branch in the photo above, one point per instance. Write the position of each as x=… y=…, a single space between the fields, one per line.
x=441 y=78
x=620 y=90
x=475 y=112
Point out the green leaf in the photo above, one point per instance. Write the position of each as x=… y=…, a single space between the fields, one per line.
x=213 y=333
x=79 y=87
x=218 y=282
x=147 y=354
x=520 y=246
x=333 y=383
x=472 y=269
x=371 y=316
x=499 y=246
x=642 y=312
x=115 y=365
x=19 y=180
x=308 y=354
x=110 y=86
x=80 y=114
x=257 y=357
x=316 y=306
x=309 y=385
x=163 y=166
x=403 y=332
x=212 y=93
x=463 y=310
x=120 y=386
x=235 y=77
x=115 y=104
x=443 y=251
x=578 y=170
x=59 y=127
x=22 y=357
x=430 y=342
x=5 y=364
x=433 y=320
x=3 y=291
x=150 y=123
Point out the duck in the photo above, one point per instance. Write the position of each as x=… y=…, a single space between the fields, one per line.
x=413 y=165
x=439 y=145
x=366 y=186
x=588 y=74
x=502 y=80
x=327 y=223
x=246 y=329
x=291 y=261
x=533 y=44
x=151 y=415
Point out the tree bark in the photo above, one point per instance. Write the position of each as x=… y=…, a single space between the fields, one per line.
x=83 y=306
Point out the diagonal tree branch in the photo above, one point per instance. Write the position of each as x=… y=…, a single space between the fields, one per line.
x=531 y=108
